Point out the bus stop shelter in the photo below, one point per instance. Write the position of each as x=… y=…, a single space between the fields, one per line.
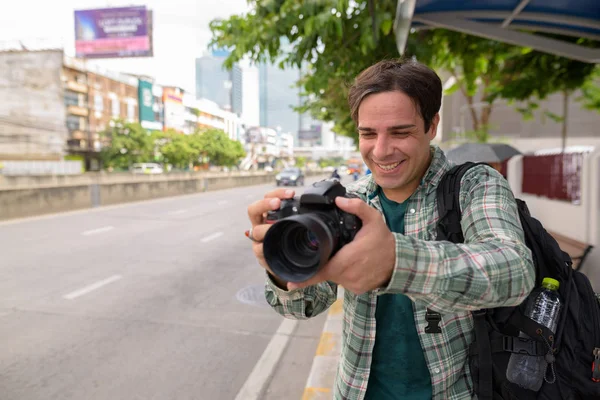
x=517 y=22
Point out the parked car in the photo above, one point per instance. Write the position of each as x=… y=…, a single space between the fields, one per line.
x=147 y=168
x=290 y=177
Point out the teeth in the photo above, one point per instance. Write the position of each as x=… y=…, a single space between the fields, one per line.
x=388 y=167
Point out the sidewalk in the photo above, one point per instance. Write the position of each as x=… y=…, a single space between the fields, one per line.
x=320 y=382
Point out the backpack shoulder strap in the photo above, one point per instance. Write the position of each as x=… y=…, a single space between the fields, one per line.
x=448 y=200
x=449 y=228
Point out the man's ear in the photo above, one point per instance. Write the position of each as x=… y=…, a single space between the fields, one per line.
x=434 y=126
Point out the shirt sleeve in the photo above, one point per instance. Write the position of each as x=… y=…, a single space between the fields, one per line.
x=301 y=303
x=492 y=268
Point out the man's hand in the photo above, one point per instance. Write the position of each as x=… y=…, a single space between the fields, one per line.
x=257 y=212
x=368 y=261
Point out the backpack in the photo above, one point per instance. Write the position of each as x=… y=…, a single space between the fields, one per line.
x=572 y=354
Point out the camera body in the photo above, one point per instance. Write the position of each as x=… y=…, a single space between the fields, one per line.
x=308 y=231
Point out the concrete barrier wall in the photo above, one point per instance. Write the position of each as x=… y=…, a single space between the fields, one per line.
x=95 y=191
x=13 y=182
x=18 y=203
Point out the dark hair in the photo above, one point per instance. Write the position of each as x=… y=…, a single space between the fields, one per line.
x=416 y=80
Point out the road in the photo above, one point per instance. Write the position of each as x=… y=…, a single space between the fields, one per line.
x=153 y=300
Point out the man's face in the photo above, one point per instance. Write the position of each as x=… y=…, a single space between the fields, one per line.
x=393 y=142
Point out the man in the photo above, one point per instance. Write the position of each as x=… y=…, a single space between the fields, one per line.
x=394 y=270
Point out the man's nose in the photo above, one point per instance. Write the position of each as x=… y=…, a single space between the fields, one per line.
x=382 y=147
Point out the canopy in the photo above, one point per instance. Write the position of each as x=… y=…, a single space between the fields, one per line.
x=511 y=21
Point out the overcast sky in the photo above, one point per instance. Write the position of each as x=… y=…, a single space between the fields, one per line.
x=181 y=31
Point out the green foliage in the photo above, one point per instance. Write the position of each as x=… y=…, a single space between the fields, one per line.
x=300 y=162
x=177 y=149
x=216 y=146
x=591 y=91
x=331 y=162
x=129 y=144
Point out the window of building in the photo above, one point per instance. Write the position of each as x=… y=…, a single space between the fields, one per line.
x=130 y=111
x=116 y=108
x=71 y=98
x=98 y=102
x=73 y=123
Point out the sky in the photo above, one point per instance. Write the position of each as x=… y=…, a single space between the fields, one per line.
x=181 y=32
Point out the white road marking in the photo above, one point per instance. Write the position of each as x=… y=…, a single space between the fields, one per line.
x=223 y=202
x=212 y=237
x=92 y=287
x=178 y=212
x=263 y=369
x=250 y=196
x=97 y=231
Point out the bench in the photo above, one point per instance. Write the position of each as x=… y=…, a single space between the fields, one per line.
x=576 y=249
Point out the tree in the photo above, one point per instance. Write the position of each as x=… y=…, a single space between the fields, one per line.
x=300 y=162
x=591 y=91
x=333 y=40
x=313 y=36
x=215 y=145
x=177 y=150
x=128 y=143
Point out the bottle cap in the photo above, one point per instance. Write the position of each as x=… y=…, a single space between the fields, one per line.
x=550 y=283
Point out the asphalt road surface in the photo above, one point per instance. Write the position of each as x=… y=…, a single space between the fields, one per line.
x=153 y=300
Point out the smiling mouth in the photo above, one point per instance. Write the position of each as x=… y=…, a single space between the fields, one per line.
x=389 y=167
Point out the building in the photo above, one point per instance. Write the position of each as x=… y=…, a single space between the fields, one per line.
x=277 y=97
x=286 y=146
x=111 y=96
x=197 y=114
x=211 y=115
x=59 y=106
x=33 y=113
x=217 y=84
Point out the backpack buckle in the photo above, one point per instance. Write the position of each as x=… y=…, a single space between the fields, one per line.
x=433 y=318
x=520 y=345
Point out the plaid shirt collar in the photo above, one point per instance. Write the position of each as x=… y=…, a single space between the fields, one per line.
x=437 y=168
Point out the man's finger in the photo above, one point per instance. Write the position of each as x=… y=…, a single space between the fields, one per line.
x=259 y=232
x=357 y=207
x=258 y=210
x=260 y=207
x=281 y=194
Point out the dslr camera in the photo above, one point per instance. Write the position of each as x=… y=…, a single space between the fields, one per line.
x=307 y=232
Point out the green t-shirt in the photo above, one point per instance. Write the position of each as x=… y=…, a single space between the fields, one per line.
x=398 y=369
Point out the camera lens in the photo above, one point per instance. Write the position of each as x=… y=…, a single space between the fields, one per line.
x=296 y=247
x=313 y=243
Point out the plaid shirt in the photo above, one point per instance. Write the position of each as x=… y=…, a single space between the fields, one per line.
x=492 y=268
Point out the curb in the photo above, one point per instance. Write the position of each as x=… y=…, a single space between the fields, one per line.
x=321 y=379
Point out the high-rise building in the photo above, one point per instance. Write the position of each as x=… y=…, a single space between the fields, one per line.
x=278 y=96
x=215 y=83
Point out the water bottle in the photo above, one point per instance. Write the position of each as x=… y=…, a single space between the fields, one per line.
x=543 y=306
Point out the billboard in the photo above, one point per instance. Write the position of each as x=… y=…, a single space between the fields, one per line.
x=174 y=109
x=314 y=133
x=145 y=101
x=113 y=32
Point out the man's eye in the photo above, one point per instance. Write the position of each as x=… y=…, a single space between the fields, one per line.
x=366 y=134
x=400 y=133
